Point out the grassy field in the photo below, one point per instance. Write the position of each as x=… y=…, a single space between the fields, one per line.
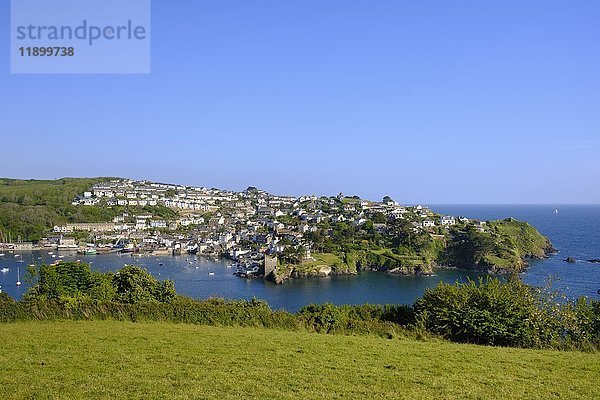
x=320 y=259
x=103 y=359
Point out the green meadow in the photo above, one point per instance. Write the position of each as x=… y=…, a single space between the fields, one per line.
x=110 y=359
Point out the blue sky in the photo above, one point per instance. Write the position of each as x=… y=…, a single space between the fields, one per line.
x=430 y=101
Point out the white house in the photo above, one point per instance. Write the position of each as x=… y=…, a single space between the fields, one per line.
x=158 y=224
x=447 y=220
x=140 y=224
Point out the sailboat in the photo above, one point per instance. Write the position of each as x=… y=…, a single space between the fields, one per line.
x=18 y=276
x=556 y=211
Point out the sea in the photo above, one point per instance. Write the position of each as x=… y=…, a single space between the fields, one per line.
x=573 y=229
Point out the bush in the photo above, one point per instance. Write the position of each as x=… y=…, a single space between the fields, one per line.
x=76 y=280
x=489 y=313
x=507 y=314
x=385 y=321
x=5 y=298
x=324 y=318
x=180 y=310
x=65 y=280
x=134 y=284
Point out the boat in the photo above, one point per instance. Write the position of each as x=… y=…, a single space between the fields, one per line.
x=128 y=248
x=192 y=248
x=4 y=270
x=67 y=247
x=18 y=276
x=161 y=264
x=2 y=254
x=556 y=211
x=211 y=273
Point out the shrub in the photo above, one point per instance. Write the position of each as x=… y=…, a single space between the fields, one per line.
x=491 y=313
x=76 y=280
x=385 y=321
x=134 y=284
x=579 y=325
x=64 y=280
x=5 y=298
x=324 y=318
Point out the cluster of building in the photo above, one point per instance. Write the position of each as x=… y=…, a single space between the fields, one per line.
x=143 y=193
x=243 y=225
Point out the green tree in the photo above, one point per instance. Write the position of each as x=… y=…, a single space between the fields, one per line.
x=134 y=284
x=378 y=218
x=488 y=312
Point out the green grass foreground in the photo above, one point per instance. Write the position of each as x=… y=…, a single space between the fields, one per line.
x=109 y=359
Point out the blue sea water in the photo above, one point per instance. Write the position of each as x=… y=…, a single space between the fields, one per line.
x=574 y=231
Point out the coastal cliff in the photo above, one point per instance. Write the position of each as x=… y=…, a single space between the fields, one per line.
x=320 y=265
x=503 y=246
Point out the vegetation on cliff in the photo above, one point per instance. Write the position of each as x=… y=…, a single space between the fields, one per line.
x=503 y=246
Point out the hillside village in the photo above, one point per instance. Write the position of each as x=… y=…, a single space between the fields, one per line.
x=245 y=226
x=265 y=235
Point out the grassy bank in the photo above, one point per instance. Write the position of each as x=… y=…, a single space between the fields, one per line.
x=109 y=359
x=489 y=312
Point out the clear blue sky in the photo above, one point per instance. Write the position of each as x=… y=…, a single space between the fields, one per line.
x=428 y=101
